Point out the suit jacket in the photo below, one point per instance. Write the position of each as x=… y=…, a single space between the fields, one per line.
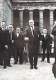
x=1 y=40
x=54 y=31
x=48 y=40
x=12 y=37
x=20 y=41
x=5 y=38
x=33 y=41
x=44 y=42
x=36 y=41
x=29 y=34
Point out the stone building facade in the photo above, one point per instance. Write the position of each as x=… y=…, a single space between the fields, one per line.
x=19 y=12
x=43 y=12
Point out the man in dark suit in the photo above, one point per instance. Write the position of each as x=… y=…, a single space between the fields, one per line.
x=46 y=45
x=54 y=34
x=12 y=43
x=1 y=50
x=33 y=46
x=5 y=46
x=20 y=46
x=36 y=44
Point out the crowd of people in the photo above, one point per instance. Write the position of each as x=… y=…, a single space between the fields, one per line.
x=23 y=44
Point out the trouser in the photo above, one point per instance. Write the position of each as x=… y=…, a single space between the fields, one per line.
x=48 y=54
x=17 y=50
x=21 y=55
x=6 y=59
x=13 y=52
x=33 y=60
x=25 y=56
x=1 y=58
x=55 y=53
x=43 y=56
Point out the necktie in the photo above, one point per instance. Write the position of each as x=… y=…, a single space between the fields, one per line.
x=11 y=35
x=33 y=33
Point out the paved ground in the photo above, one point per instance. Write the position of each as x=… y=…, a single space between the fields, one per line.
x=23 y=72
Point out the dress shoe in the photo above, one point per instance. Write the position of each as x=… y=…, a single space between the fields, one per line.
x=15 y=63
x=9 y=65
x=48 y=61
x=35 y=67
x=42 y=60
x=4 y=67
x=31 y=67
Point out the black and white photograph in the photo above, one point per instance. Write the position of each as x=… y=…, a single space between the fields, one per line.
x=27 y=39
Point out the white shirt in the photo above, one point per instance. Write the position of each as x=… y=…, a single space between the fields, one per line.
x=32 y=31
x=17 y=34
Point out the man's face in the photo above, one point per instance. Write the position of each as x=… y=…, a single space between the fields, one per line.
x=18 y=30
x=3 y=28
x=45 y=32
x=10 y=28
x=31 y=22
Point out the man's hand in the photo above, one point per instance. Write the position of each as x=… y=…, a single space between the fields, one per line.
x=12 y=41
x=6 y=46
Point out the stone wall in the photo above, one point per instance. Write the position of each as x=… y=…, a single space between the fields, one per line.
x=1 y=11
x=6 y=12
x=33 y=0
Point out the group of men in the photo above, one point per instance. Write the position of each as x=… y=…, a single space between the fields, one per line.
x=12 y=44
x=9 y=45
x=35 y=37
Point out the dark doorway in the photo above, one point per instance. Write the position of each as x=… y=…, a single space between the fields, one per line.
x=54 y=15
x=46 y=19
x=16 y=20
x=36 y=18
x=25 y=17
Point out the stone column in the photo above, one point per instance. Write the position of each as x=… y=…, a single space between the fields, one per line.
x=12 y=16
x=30 y=14
x=21 y=18
x=1 y=10
x=41 y=20
x=51 y=20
